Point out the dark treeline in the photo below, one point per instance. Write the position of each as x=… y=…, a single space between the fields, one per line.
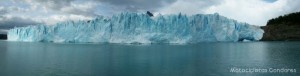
x=293 y=18
x=3 y=36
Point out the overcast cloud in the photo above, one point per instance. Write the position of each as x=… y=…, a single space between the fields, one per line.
x=19 y=13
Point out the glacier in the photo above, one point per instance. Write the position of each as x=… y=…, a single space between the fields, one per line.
x=140 y=28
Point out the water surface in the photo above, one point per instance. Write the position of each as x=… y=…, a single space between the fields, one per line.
x=203 y=59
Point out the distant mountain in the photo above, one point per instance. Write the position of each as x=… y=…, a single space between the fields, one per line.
x=283 y=28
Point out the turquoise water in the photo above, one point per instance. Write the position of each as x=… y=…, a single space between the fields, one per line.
x=203 y=59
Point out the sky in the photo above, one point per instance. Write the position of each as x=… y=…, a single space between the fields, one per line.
x=19 y=13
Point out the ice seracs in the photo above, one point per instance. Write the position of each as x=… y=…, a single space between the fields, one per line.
x=140 y=28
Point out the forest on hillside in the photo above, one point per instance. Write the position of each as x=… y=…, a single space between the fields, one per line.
x=293 y=18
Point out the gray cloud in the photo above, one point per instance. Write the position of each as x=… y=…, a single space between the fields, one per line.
x=123 y=5
x=189 y=7
x=77 y=11
x=114 y=5
x=53 y=4
x=293 y=6
x=86 y=9
x=136 y=5
x=8 y=23
x=3 y=11
x=63 y=6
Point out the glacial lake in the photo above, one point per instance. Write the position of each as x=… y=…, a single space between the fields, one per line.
x=202 y=59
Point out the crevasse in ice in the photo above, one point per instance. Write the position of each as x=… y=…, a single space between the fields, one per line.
x=140 y=28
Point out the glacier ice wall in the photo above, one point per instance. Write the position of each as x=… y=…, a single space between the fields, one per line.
x=140 y=28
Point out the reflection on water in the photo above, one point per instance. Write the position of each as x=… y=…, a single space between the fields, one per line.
x=209 y=59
